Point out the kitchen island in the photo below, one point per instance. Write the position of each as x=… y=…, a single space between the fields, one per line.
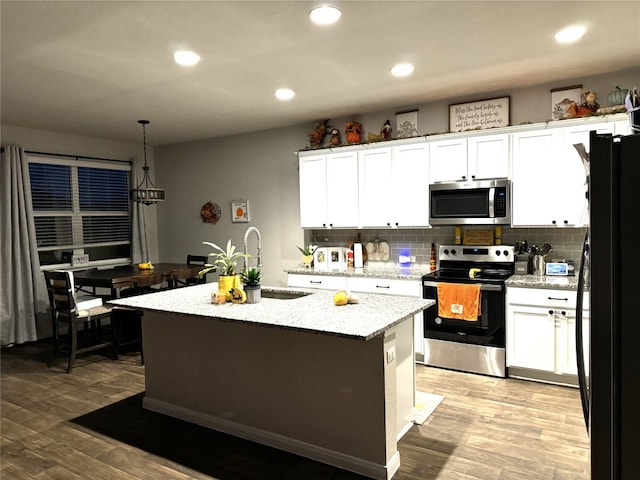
x=331 y=383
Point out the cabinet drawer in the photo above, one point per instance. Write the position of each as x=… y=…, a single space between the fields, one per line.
x=324 y=282
x=542 y=297
x=407 y=288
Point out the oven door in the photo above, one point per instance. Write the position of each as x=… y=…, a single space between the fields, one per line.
x=488 y=329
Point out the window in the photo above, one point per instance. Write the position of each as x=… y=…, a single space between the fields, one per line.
x=80 y=207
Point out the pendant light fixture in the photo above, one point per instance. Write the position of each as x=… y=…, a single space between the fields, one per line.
x=146 y=192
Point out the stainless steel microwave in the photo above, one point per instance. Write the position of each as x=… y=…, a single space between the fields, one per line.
x=482 y=202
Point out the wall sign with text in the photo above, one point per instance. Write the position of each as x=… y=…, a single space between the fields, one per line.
x=479 y=115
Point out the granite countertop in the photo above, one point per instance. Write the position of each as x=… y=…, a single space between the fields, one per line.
x=543 y=281
x=387 y=270
x=314 y=312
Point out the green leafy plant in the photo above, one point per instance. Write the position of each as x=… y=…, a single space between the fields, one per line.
x=226 y=260
x=251 y=277
x=307 y=250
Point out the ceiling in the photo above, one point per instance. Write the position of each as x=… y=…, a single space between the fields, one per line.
x=96 y=67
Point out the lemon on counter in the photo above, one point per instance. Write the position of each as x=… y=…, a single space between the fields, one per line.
x=145 y=266
x=340 y=298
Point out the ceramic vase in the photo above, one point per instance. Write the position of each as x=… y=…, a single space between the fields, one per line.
x=253 y=294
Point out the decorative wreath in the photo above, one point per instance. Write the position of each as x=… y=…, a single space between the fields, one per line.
x=210 y=212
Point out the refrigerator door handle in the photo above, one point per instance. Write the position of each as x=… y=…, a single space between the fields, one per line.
x=582 y=378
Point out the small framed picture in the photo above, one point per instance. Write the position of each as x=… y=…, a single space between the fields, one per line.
x=407 y=124
x=240 y=211
x=564 y=102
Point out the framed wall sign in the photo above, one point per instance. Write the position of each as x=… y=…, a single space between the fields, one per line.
x=240 y=211
x=478 y=115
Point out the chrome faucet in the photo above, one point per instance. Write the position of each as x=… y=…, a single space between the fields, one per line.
x=246 y=237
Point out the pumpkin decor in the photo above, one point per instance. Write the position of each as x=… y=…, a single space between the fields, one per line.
x=238 y=295
x=353 y=132
x=616 y=97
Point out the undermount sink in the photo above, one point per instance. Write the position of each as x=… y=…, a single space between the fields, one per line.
x=282 y=294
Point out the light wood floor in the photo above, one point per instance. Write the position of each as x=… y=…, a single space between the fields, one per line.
x=91 y=425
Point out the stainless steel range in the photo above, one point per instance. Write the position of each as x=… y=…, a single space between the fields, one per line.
x=475 y=343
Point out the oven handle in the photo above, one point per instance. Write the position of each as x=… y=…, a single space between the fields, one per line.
x=487 y=287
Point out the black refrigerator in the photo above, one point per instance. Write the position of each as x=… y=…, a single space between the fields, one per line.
x=610 y=271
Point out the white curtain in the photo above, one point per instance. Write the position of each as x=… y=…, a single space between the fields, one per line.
x=23 y=293
x=140 y=245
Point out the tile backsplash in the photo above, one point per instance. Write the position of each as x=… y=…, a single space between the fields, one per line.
x=566 y=242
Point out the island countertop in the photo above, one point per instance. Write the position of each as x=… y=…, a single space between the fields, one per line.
x=314 y=312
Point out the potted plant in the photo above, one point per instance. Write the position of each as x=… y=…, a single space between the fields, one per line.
x=226 y=261
x=251 y=282
x=307 y=254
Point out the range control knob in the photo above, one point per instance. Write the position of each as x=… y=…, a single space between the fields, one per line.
x=506 y=253
x=453 y=251
x=497 y=253
x=446 y=251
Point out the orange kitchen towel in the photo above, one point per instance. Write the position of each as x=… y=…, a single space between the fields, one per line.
x=459 y=301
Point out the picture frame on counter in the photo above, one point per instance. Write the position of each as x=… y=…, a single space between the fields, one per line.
x=240 y=211
x=479 y=115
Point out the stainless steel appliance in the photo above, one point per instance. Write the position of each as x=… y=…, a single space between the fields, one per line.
x=470 y=346
x=485 y=202
x=609 y=379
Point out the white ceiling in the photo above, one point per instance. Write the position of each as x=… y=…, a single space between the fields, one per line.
x=95 y=67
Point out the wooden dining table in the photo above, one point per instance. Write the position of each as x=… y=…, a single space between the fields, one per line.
x=121 y=277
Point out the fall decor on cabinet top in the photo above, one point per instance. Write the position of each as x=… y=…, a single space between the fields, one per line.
x=353 y=132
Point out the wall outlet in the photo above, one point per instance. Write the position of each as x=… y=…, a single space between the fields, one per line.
x=80 y=259
x=391 y=354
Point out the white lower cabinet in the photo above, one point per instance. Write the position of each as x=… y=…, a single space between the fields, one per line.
x=541 y=334
x=407 y=288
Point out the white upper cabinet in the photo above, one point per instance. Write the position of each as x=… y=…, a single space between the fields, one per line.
x=410 y=185
x=313 y=191
x=375 y=170
x=342 y=189
x=474 y=158
x=488 y=156
x=548 y=177
x=329 y=190
x=394 y=186
x=547 y=186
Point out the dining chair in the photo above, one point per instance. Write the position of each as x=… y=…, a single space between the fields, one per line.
x=128 y=321
x=197 y=260
x=183 y=277
x=66 y=310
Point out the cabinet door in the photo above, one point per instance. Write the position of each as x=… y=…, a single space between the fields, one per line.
x=374 y=169
x=410 y=186
x=448 y=160
x=534 y=203
x=342 y=189
x=530 y=338
x=566 y=356
x=488 y=156
x=313 y=191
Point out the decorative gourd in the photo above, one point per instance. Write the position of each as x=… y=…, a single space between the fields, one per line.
x=238 y=295
x=616 y=97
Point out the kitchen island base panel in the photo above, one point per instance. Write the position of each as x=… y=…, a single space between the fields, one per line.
x=325 y=397
x=307 y=450
x=465 y=357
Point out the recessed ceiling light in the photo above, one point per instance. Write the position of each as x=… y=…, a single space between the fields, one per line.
x=402 y=69
x=186 y=58
x=570 y=34
x=285 y=94
x=325 y=15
